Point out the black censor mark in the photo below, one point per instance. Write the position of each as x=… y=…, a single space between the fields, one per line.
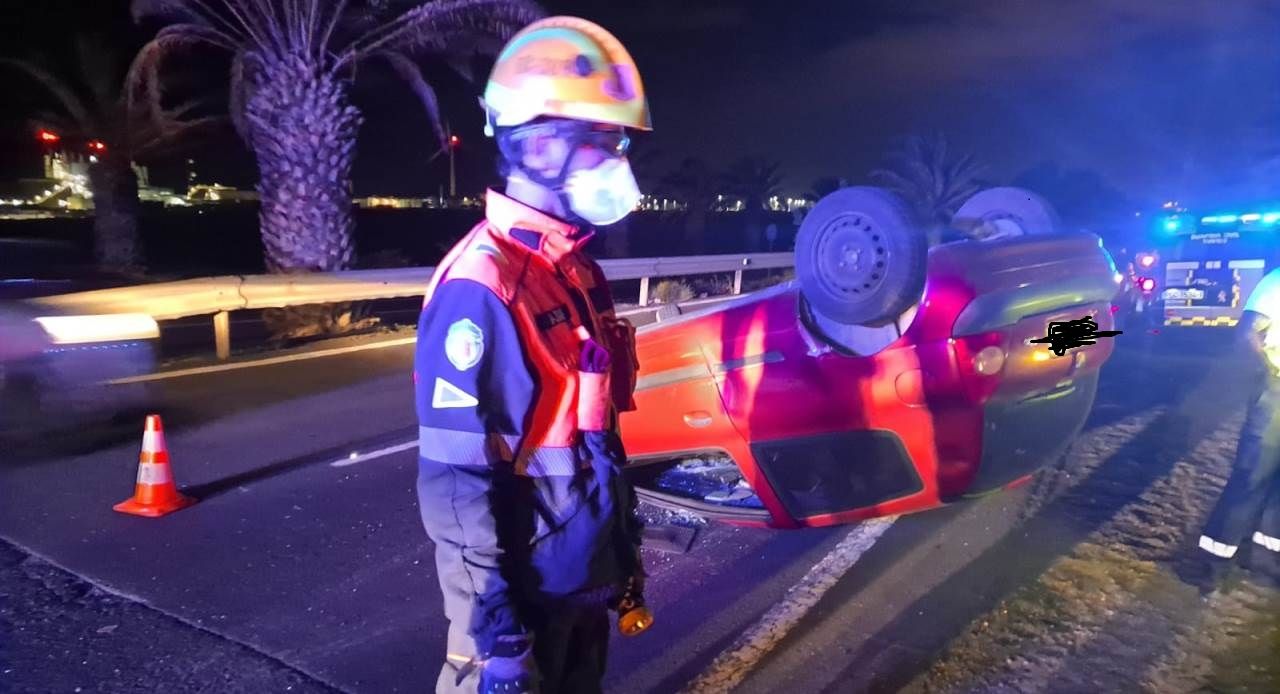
x=1065 y=335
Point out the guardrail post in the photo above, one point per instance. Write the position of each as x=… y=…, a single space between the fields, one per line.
x=644 y=291
x=222 y=334
x=737 y=281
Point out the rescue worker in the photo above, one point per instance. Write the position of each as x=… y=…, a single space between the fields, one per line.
x=1249 y=509
x=520 y=371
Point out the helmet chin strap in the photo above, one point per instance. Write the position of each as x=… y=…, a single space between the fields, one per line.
x=513 y=152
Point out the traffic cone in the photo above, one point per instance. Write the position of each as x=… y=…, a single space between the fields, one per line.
x=155 y=494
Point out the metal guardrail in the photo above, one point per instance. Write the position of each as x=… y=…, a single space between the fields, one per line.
x=222 y=294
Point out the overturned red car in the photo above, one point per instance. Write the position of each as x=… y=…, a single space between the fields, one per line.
x=888 y=377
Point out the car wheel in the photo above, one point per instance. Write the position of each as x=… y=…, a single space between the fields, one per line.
x=860 y=259
x=1005 y=212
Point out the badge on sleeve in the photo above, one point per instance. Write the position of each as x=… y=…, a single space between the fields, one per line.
x=464 y=344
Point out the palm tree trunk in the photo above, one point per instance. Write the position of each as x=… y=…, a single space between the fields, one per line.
x=115 y=221
x=302 y=129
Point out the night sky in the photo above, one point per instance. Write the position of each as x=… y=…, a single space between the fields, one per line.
x=1165 y=99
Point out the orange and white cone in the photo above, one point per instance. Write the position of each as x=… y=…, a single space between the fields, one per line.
x=155 y=493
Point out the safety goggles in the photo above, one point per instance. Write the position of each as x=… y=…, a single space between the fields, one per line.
x=614 y=143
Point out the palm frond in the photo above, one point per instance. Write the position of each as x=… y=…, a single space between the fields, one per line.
x=238 y=95
x=411 y=73
x=60 y=90
x=100 y=70
x=142 y=82
x=435 y=24
x=933 y=181
x=330 y=26
x=162 y=9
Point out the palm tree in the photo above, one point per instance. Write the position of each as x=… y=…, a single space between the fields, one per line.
x=932 y=181
x=826 y=185
x=754 y=180
x=292 y=65
x=695 y=184
x=97 y=102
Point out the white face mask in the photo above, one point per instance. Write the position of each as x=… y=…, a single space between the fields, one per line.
x=604 y=194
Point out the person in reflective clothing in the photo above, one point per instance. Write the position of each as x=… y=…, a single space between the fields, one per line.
x=520 y=371
x=1249 y=509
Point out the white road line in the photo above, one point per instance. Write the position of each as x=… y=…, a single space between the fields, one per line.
x=215 y=368
x=356 y=457
x=733 y=665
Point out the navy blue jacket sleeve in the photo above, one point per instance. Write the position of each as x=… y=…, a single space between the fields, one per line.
x=473 y=389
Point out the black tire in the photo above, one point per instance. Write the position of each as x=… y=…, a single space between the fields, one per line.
x=859 y=258
x=1005 y=212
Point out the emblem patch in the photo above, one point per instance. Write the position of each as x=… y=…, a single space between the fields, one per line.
x=464 y=344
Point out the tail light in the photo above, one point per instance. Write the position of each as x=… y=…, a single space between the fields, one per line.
x=1146 y=284
x=980 y=360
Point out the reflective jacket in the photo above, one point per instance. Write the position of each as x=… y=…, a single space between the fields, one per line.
x=507 y=475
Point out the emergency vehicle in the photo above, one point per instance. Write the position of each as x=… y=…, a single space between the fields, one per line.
x=1200 y=269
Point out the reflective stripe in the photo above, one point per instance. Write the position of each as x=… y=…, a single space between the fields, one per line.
x=149 y=474
x=1271 y=543
x=453 y=447
x=1229 y=321
x=593 y=401
x=548 y=461
x=1216 y=548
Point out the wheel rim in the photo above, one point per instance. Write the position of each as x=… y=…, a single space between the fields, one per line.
x=851 y=253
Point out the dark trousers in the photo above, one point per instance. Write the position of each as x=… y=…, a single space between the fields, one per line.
x=1249 y=508
x=570 y=640
x=571 y=648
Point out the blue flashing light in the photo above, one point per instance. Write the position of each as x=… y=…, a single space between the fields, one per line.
x=1209 y=220
x=1172 y=224
x=1228 y=219
x=1271 y=218
x=1250 y=218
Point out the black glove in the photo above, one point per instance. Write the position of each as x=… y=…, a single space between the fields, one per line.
x=510 y=669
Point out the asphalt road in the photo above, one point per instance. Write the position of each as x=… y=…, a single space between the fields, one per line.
x=325 y=570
